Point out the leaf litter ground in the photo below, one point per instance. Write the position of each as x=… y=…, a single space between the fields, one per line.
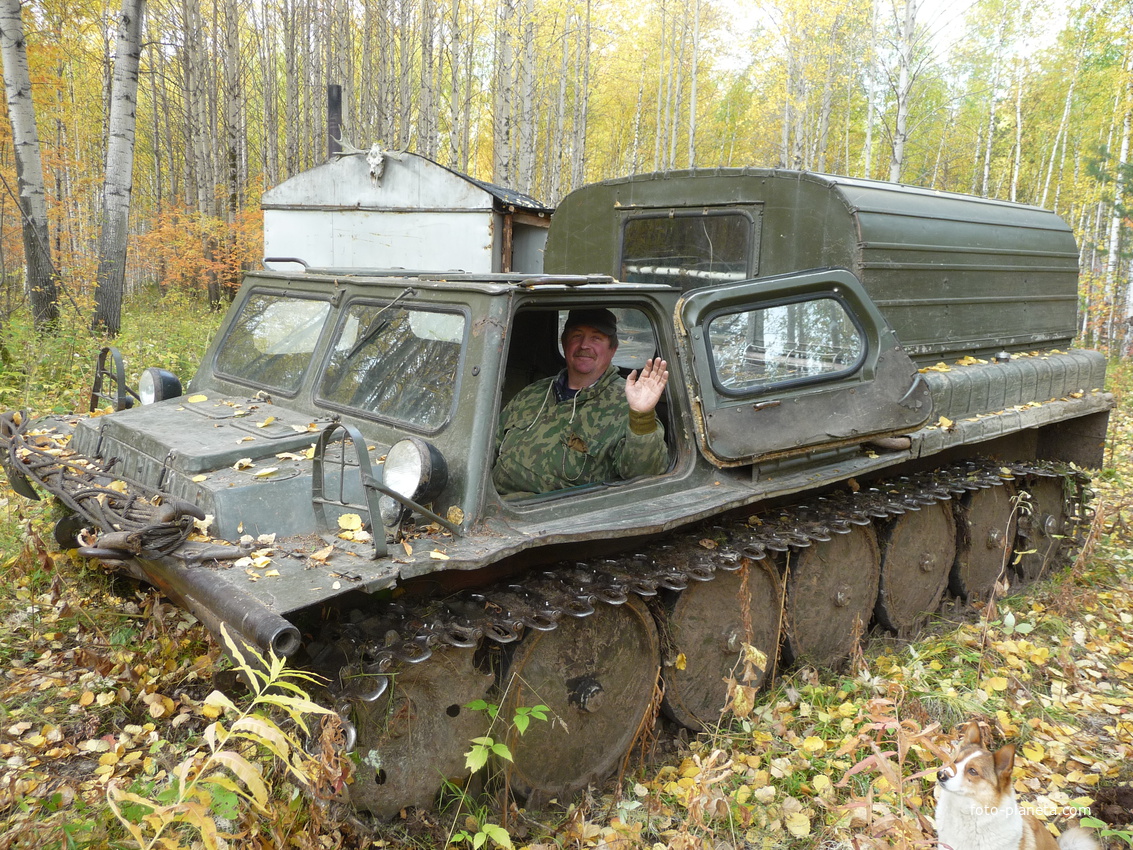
x=105 y=682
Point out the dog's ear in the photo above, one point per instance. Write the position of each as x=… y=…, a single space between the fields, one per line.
x=971 y=734
x=1004 y=761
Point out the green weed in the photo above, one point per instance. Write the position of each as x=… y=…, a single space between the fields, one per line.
x=219 y=782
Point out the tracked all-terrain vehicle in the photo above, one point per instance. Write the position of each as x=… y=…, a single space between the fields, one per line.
x=872 y=403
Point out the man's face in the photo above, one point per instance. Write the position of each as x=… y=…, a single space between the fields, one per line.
x=588 y=354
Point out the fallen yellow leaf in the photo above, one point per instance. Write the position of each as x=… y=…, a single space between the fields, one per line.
x=1034 y=751
x=322 y=555
x=350 y=522
x=814 y=744
x=798 y=824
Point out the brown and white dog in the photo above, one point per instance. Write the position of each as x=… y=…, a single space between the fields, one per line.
x=976 y=807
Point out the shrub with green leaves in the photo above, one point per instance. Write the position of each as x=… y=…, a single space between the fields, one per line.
x=213 y=784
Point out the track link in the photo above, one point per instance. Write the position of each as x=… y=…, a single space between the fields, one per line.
x=362 y=657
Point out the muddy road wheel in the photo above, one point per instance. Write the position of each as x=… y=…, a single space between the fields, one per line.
x=414 y=737
x=708 y=624
x=831 y=591
x=986 y=525
x=917 y=554
x=598 y=677
x=1043 y=526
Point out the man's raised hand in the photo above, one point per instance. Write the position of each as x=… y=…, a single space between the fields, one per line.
x=644 y=391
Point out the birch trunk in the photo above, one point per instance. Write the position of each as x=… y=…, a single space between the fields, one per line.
x=692 y=85
x=110 y=281
x=1119 y=212
x=234 y=136
x=1065 y=120
x=658 y=131
x=1018 y=157
x=526 y=118
x=872 y=69
x=457 y=108
x=582 y=107
x=40 y=279
x=503 y=129
x=427 y=141
x=906 y=41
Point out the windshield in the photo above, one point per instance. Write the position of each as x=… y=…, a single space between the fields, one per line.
x=395 y=363
x=271 y=342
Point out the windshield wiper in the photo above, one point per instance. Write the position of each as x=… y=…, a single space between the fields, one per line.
x=376 y=327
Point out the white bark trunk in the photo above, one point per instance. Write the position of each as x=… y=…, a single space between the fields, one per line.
x=692 y=85
x=526 y=120
x=41 y=278
x=582 y=107
x=1019 y=77
x=906 y=41
x=119 y=182
x=503 y=128
x=1120 y=187
x=871 y=95
x=1063 y=123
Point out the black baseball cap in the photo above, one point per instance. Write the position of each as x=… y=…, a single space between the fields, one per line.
x=599 y=319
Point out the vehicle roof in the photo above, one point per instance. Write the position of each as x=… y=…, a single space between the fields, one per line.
x=491 y=284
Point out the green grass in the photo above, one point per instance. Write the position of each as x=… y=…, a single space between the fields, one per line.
x=53 y=373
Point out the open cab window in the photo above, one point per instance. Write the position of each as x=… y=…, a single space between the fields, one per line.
x=526 y=436
x=795 y=363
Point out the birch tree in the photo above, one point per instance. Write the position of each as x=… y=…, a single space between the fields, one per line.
x=40 y=277
x=1120 y=210
x=110 y=283
x=902 y=85
x=503 y=112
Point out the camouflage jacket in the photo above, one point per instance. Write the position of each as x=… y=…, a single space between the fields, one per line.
x=543 y=444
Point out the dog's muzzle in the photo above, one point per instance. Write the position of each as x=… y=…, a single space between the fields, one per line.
x=944 y=774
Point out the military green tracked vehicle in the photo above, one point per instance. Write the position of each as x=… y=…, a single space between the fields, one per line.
x=872 y=403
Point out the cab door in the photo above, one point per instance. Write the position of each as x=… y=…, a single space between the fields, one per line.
x=794 y=363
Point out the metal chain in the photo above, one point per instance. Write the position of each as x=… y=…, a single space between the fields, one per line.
x=133 y=519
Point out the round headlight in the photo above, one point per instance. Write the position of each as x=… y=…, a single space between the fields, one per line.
x=415 y=469
x=391 y=510
x=158 y=385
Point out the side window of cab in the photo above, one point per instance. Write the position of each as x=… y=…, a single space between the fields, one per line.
x=765 y=347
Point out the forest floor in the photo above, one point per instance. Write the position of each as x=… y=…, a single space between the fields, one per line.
x=106 y=687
